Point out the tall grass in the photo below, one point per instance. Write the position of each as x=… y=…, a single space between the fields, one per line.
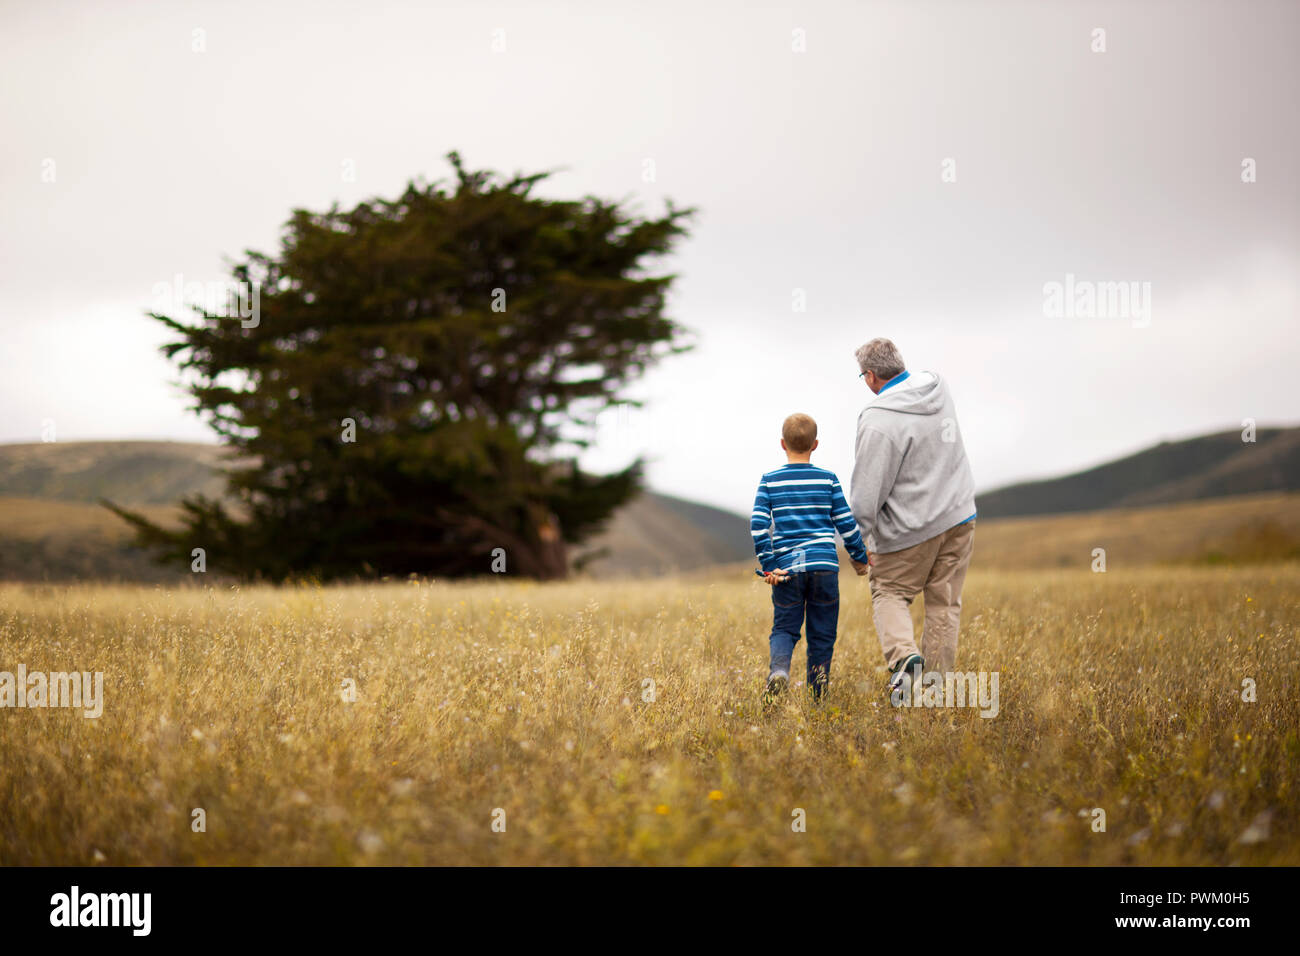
x=1120 y=691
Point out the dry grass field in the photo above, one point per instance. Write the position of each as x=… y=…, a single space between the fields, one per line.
x=1251 y=529
x=1120 y=691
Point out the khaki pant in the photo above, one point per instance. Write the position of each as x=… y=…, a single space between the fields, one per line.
x=936 y=567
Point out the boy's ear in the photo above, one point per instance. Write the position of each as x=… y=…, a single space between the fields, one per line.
x=783 y=448
x=816 y=442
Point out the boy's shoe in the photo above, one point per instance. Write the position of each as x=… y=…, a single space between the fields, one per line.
x=904 y=678
x=776 y=685
x=818 y=681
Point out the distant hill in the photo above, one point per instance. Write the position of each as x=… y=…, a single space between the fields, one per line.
x=1211 y=466
x=655 y=534
x=1150 y=507
x=127 y=472
x=52 y=529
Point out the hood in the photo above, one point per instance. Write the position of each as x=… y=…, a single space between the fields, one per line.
x=922 y=393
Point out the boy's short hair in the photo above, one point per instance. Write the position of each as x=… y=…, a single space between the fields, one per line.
x=799 y=432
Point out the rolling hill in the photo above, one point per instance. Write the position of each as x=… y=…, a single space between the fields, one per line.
x=51 y=527
x=130 y=472
x=1203 y=500
x=1210 y=466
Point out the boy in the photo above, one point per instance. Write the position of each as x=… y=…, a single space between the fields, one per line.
x=797 y=511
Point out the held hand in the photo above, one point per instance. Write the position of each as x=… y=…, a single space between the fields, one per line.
x=775 y=577
x=859 y=567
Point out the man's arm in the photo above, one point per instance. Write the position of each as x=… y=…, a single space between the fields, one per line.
x=876 y=461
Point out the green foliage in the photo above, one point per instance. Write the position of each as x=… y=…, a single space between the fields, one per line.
x=472 y=333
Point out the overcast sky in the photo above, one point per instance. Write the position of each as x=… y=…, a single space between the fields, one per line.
x=819 y=169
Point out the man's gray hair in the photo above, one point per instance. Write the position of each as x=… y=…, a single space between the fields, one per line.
x=882 y=357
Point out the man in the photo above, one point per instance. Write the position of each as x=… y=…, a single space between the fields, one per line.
x=913 y=498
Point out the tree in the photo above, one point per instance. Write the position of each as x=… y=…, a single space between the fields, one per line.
x=409 y=386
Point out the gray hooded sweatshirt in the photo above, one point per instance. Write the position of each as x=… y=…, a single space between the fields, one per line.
x=911 y=480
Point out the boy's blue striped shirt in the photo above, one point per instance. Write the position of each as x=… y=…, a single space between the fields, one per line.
x=797 y=511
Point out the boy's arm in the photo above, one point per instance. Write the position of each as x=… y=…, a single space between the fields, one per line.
x=842 y=518
x=875 y=468
x=760 y=528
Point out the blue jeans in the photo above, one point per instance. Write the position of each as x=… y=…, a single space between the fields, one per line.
x=814 y=596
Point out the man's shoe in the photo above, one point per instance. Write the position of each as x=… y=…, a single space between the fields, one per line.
x=905 y=676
